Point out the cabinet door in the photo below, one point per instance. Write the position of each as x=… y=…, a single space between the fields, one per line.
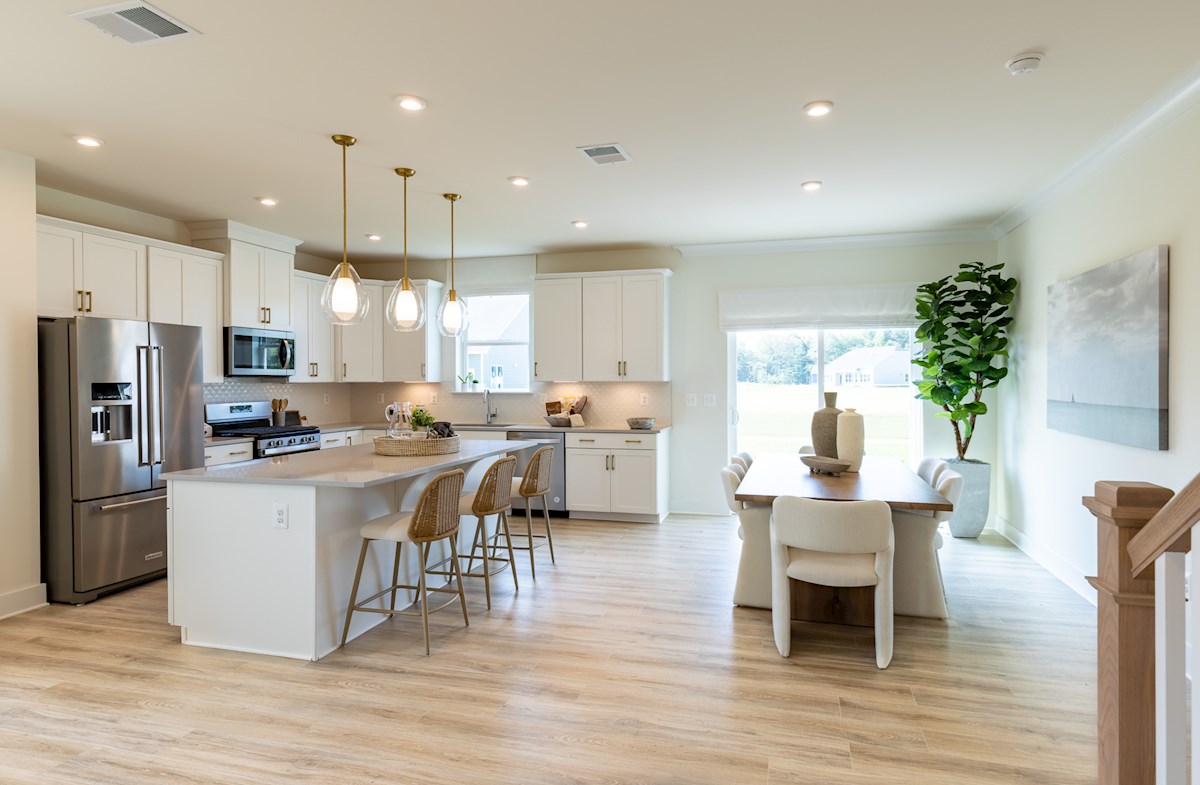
x=633 y=482
x=320 y=335
x=330 y=441
x=361 y=345
x=114 y=276
x=588 y=480
x=602 y=329
x=304 y=367
x=59 y=271
x=643 y=328
x=277 y=288
x=404 y=354
x=201 y=306
x=164 y=270
x=244 y=268
x=557 y=330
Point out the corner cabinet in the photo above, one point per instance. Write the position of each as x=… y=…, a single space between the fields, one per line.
x=602 y=327
x=87 y=271
x=414 y=356
x=617 y=476
x=314 y=331
x=258 y=272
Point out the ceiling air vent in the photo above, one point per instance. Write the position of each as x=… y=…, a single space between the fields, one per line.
x=605 y=154
x=136 y=23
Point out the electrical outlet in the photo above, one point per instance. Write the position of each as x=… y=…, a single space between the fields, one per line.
x=710 y=399
x=379 y=398
x=279 y=515
x=433 y=398
x=327 y=398
x=645 y=398
x=689 y=399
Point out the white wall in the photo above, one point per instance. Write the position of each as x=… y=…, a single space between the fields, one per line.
x=20 y=537
x=1148 y=197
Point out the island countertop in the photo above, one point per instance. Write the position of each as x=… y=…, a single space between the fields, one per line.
x=348 y=467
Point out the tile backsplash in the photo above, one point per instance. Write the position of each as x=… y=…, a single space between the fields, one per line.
x=320 y=403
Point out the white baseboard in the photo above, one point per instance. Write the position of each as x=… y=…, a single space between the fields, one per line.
x=1051 y=561
x=22 y=600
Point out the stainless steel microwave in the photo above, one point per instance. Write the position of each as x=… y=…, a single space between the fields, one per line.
x=253 y=352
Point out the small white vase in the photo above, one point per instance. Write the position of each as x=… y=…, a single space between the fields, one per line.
x=850 y=438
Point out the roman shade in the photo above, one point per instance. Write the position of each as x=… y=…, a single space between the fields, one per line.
x=810 y=307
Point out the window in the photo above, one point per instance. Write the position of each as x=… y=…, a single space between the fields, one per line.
x=496 y=348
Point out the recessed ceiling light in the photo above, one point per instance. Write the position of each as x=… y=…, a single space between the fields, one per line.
x=811 y=185
x=374 y=238
x=413 y=103
x=88 y=141
x=818 y=108
x=518 y=180
x=267 y=201
x=579 y=224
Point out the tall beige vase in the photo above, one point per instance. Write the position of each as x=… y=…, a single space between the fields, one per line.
x=851 y=438
x=824 y=428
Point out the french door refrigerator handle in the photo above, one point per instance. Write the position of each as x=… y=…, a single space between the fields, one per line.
x=158 y=410
x=142 y=414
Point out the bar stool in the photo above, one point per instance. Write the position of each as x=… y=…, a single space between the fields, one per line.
x=434 y=518
x=492 y=498
x=535 y=483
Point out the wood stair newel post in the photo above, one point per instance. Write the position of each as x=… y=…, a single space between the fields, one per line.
x=1125 y=633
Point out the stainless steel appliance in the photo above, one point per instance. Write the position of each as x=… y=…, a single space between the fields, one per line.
x=121 y=403
x=558 y=467
x=253 y=419
x=253 y=352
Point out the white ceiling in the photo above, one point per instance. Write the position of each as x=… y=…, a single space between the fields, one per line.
x=930 y=133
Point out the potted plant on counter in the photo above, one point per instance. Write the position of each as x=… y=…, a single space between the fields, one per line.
x=963 y=324
x=421 y=418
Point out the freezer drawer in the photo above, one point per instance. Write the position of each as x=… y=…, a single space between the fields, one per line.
x=119 y=539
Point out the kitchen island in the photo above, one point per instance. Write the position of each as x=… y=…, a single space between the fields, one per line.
x=261 y=554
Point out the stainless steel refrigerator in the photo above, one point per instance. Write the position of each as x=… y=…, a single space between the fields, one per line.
x=121 y=403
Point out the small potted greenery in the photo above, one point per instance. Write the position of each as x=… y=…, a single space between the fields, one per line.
x=964 y=320
x=469 y=382
x=421 y=418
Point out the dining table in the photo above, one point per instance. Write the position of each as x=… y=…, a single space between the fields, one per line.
x=772 y=475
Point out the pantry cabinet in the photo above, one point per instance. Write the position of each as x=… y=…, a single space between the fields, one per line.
x=617 y=476
x=185 y=288
x=414 y=356
x=84 y=273
x=314 y=331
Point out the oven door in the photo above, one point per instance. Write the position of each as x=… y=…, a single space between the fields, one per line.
x=251 y=352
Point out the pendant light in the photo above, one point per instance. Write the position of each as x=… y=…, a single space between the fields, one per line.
x=343 y=299
x=405 y=308
x=452 y=313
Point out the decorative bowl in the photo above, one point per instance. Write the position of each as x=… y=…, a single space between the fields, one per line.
x=559 y=420
x=640 y=423
x=820 y=465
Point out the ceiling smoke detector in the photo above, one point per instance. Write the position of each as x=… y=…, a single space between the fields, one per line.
x=1025 y=63
x=605 y=154
x=136 y=23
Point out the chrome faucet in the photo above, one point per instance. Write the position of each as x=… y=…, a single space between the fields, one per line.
x=488 y=414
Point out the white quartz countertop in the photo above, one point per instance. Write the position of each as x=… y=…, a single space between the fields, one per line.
x=346 y=467
x=355 y=426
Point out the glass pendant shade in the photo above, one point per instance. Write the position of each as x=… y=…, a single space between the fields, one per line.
x=343 y=299
x=405 y=308
x=452 y=315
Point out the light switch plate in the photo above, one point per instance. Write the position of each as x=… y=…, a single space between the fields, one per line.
x=279 y=515
x=689 y=399
x=326 y=397
x=433 y=398
x=710 y=399
x=379 y=398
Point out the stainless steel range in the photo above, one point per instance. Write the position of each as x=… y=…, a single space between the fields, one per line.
x=253 y=419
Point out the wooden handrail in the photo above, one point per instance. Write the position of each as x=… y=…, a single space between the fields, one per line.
x=1169 y=530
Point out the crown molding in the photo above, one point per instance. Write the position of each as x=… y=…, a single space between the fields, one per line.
x=1156 y=114
x=948 y=237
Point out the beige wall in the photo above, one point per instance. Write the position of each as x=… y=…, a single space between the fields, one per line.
x=70 y=207
x=20 y=538
x=1147 y=197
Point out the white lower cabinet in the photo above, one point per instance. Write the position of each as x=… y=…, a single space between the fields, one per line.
x=217 y=454
x=617 y=476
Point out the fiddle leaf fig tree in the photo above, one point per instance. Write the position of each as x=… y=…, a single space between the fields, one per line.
x=963 y=326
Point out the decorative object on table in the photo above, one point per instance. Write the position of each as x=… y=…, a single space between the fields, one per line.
x=441 y=430
x=343 y=299
x=579 y=405
x=820 y=465
x=824 y=427
x=559 y=420
x=394 y=414
x=576 y=420
x=851 y=438
x=405 y=308
x=1106 y=353
x=452 y=314
x=421 y=418
x=554 y=407
x=640 y=423
x=440 y=439
x=963 y=324
x=278 y=411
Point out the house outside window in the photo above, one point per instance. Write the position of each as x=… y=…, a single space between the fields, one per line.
x=496 y=347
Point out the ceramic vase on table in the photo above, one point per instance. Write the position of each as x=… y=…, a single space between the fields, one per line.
x=824 y=427
x=851 y=438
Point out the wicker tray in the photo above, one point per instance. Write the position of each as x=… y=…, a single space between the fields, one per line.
x=385 y=445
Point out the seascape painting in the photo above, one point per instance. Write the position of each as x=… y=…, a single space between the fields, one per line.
x=1107 y=352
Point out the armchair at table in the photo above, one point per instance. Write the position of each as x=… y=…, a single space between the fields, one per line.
x=919 y=590
x=753 y=587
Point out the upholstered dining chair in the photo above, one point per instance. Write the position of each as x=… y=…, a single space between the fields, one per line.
x=740 y=461
x=534 y=484
x=832 y=544
x=746 y=459
x=435 y=518
x=925 y=468
x=737 y=468
x=493 y=497
x=919 y=589
x=753 y=586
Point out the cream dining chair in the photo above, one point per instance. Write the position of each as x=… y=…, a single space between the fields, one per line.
x=753 y=586
x=925 y=468
x=832 y=544
x=747 y=459
x=919 y=589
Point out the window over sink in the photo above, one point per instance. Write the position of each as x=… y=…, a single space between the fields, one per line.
x=495 y=350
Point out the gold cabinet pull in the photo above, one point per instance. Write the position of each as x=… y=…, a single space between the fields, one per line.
x=422 y=371
x=343 y=370
x=79 y=293
x=240 y=452
x=535 y=368
x=89 y=305
x=268 y=315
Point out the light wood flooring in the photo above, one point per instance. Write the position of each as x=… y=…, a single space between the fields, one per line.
x=623 y=664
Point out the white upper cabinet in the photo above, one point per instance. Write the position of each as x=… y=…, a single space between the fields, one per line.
x=258 y=272
x=314 y=331
x=602 y=353
x=643 y=329
x=185 y=288
x=414 y=356
x=360 y=346
x=81 y=273
x=557 y=330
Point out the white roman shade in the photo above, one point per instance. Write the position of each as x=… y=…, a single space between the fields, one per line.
x=810 y=307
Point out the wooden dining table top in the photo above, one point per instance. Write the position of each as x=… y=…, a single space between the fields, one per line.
x=885 y=479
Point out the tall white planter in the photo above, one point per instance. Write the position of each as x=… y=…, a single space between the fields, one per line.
x=850 y=438
x=971 y=512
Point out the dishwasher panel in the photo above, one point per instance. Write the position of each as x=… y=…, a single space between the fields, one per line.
x=558 y=468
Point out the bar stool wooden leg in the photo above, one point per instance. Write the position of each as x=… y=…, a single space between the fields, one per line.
x=529 y=536
x=487 y=567
x=424 y=595
x=462 y=597
x=396 y=574
x=549 y=531
x=362 y=557
x=512 y=560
